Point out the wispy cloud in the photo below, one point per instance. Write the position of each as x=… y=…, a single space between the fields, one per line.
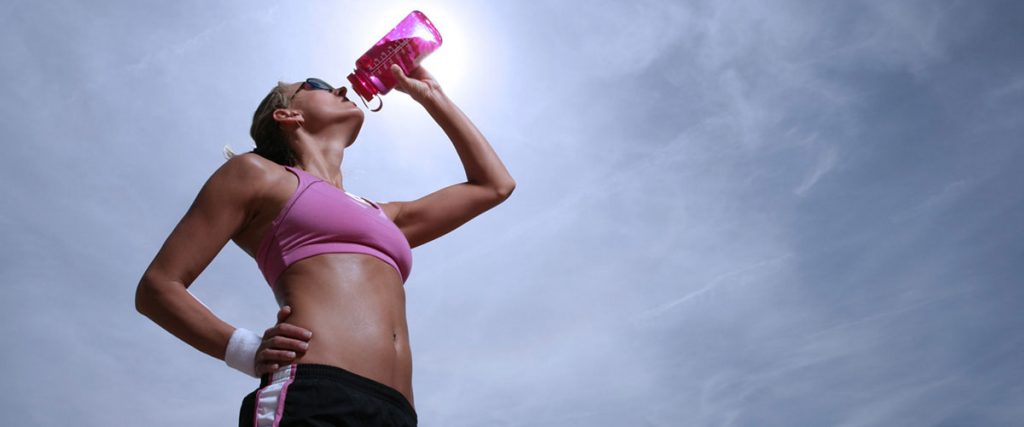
x=826 y=161
x=719 y=280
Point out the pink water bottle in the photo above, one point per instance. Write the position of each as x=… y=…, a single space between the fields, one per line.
x=406 y=45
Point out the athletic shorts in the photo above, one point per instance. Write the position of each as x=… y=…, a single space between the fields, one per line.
x=312 y=395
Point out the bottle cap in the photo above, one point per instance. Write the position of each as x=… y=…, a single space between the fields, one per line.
x=366 y=91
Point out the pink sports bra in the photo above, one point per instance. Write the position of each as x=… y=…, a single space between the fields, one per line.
x=320 y=218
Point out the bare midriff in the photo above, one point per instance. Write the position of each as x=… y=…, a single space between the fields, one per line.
x=355 y=306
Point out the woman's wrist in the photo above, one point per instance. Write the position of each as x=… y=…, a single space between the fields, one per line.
x=439 y=107
x=434 y=99
x=241 y=351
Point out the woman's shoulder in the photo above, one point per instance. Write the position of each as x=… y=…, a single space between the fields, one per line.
x=249 y=171
x=252 y=165
x=249 y=161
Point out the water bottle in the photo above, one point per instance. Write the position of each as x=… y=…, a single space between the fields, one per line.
x=406 y=45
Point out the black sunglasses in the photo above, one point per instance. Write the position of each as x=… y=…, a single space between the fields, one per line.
x=312 y=83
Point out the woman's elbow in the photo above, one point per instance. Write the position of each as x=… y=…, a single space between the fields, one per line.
x=505 y=190
x=147 y=293
x=143 y=296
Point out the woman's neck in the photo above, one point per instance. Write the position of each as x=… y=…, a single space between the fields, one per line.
x=320 y=158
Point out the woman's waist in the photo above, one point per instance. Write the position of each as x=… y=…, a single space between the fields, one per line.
x=351 y=332
x=358 y=323
x=369 y=342
x=364 y=340
x=374 y=355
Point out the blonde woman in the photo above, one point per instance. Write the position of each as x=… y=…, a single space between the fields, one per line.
x=336 y=262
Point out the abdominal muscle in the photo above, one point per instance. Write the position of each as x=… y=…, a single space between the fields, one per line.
x=355 y=306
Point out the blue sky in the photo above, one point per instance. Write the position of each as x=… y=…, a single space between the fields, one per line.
x=741 y=213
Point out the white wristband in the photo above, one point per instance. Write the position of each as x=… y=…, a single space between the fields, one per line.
x=241 y=352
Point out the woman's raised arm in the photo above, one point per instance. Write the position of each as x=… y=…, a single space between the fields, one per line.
x=487 y=184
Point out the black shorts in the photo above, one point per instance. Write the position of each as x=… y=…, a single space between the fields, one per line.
x=311 y=395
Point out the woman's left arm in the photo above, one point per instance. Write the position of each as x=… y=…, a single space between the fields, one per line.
x=487 y=184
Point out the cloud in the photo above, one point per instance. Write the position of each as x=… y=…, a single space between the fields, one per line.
x=720 y=280
x=826 y=161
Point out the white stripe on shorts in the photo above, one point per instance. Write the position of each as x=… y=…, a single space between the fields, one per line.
x=270 y=399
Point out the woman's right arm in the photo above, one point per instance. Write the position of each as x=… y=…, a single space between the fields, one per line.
x=224 y=205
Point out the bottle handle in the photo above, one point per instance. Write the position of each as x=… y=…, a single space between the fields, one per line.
x=376 y=95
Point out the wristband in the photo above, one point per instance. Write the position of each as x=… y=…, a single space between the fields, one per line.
x=241 y=352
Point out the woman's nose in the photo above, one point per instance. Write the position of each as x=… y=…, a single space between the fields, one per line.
x=342 y=91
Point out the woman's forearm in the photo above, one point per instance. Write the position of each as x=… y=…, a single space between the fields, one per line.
x=173 y=307
x=482 y=165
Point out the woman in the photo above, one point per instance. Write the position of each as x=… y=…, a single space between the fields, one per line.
x=336 y=263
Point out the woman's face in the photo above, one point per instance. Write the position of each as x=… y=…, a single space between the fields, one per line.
x=321 y=107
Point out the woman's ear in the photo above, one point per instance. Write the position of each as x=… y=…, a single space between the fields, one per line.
x=288 y=117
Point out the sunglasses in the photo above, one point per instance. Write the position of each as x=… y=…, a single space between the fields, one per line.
x=312 y=83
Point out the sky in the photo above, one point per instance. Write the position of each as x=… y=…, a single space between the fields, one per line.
x=728 y=213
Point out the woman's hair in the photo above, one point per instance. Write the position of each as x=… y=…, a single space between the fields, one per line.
x=265 y=131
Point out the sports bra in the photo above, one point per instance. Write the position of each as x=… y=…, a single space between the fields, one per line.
x=320 y=218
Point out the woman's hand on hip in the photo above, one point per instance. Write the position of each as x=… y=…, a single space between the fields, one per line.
x=281 y=344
